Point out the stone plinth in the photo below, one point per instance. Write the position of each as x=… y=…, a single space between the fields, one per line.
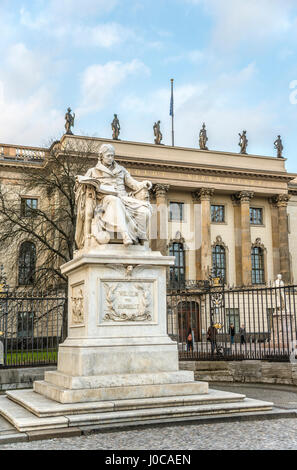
x=118 y=366
x=117 y=345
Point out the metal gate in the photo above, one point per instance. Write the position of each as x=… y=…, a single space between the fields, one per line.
x=32 y=324
x=232 y=323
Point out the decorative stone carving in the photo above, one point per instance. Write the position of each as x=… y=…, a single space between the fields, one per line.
x=104 y=207
x=77 y=305
x=157 y=133
x=278 y=145
x=115 y=125
x=219 y=241
x=258 y=244
x=127 y=301
x=280 y=200
x=160 y=190
x=69 y=118
x=279 y=298
x=203 y=194
x=243 y=142
x=203 y=138
x=243 y=196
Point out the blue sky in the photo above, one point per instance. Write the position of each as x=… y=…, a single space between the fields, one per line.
x=233 y=62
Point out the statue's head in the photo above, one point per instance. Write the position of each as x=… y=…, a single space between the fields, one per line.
x=279 y=276
x=106 y=154
x=69 y=109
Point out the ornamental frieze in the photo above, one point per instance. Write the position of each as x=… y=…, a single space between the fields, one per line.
x=125 y=301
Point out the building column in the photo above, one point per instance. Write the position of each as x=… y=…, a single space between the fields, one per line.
x=281 y=202
x=197 y=233
x=204 y=195
x=246 y=262
x=160 y=191
x=275 y=236
x=237 y=239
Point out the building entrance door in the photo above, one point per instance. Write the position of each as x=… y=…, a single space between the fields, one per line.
x=189 y=317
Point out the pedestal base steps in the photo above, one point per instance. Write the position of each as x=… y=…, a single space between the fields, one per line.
x=30 y=411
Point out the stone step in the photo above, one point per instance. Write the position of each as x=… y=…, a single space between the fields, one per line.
x=117 y=380
x=42 y=406
x=24 y=420
x=64 y=395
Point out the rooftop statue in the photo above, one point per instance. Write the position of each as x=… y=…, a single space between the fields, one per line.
x=104 y=206
x=69 y=118
x=157 y=133
x=243 y=142
x=278 y=145
x=203 y=138
x=115 y=125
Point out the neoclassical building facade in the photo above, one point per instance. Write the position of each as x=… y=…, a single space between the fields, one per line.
x=218 y=213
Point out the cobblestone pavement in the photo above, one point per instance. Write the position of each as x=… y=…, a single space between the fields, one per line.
x=278 y=434
x=252 y=435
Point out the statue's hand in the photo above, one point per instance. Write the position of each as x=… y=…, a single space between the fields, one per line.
x=147 y=184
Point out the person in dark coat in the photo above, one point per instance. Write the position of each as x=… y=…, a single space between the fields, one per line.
x=190 y=341
x=242 y=334
x=212 y=337
x=232 y=333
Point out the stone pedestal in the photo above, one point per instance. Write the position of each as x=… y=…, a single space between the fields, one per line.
x=117 y=345
x=117 y=367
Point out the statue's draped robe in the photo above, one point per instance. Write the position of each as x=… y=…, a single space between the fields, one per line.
x=117 y=214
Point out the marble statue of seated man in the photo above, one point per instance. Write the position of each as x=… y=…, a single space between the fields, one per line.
x=104 y=206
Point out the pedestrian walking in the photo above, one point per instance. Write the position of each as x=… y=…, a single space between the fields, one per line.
x=190 y=341
x=212 y=337
x=232 y=333
x=242 y=334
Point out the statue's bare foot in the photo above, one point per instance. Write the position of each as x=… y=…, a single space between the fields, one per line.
x=126 y=239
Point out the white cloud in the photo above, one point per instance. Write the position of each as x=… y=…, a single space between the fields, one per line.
x=80 y=8
x=194 y=56
x=98 y=82
x=251 y=20
x=30 y=120
x=23 y=70
x=101 y=35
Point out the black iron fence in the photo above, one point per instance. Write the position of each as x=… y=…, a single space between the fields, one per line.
x=216 y=323
x=223 y=324
x=32 y=324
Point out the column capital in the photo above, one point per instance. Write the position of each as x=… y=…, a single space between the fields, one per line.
x=280 y=200
x=242 y=196
x=160 y=189
x=202 y=194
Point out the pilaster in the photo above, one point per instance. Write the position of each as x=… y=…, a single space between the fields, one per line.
x=160 y=191
x=246 y=264
x=203 y=196
x=281 y=202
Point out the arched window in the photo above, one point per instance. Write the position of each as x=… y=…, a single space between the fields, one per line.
x=177 y=272
x=27 y=264
x=219 y=259
x=257 y=265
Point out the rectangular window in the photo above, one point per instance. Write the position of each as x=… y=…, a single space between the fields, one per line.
x=28 y=206
x=257 y=255
x=217 y=213
x=256 y=216
x=176 y=211
x=25 y=324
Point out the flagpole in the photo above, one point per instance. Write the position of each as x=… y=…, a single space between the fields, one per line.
x=172 y=113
